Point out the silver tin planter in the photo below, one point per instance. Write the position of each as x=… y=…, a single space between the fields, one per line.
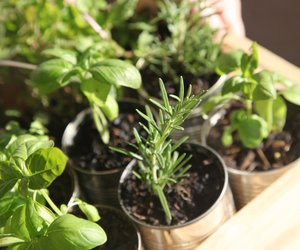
x=69 y=178
x=111 y=221
x=245 y=185
x=98 y=187
x=190 y=234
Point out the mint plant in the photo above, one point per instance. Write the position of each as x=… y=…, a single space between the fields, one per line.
x=99 y=80
x=159 y=164
x=28 y=165
x=264 y=102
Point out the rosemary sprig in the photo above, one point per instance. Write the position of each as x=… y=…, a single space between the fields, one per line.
x=158 y=161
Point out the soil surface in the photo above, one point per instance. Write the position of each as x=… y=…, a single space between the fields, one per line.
x=90 y=152
x=199 y=84
x=121 y=234
x=62 y=188
x=188 y=199
x=276 y=151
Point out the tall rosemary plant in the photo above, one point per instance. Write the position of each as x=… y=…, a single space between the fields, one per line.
x=159 y=163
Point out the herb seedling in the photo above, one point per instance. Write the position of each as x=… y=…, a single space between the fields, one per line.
x=188 y=43
x=158 y=161
x=265 y=108
x=99 y=80
x=28 y=165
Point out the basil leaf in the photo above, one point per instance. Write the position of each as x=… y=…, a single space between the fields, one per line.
x=90 y=211
x=292 y=94
x=9 y=239
x=233 y=85
x=111 y=108
x=116 y=72
x=47 y=77
x=95 y=91
x=44 y=166
x=66 y=55
x=277 y=112
x=229 y=62
x=9 y=175
x=227 y=137
x=265 y=88
x=252 y=131
x=249 y=62
x=70 y=232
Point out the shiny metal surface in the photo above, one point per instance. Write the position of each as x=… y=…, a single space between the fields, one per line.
x=189 y=235
x=245 y=185
x=97 y=186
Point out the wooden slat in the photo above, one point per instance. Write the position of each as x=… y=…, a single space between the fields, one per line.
x=267 y=59
x=270 y=222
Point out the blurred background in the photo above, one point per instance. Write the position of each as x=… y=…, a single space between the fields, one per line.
x=274 y=25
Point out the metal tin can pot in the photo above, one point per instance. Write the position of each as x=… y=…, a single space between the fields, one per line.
x=112 y=221
x=190 y=234
x=99 y=187
x=245 y=185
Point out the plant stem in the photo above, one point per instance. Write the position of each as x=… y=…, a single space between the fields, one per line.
x=249 y=107
x=50 y=202
x=9 y=63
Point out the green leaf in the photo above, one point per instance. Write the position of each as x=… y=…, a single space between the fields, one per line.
x=292 y=94
x=66 y=55
x=111 y=108
x=44 y=166
x=233 y=85
x=227 y=137
x=249 y=63
x=116 y=72
x=9 y=175
x=278 y=112
x=121 y=10
x=9 y=239
x=18 y=224
x=265 y=88
x=70 y=232
x=95 y=90
x=90 y=211
x=229 y=62
x=47 y=77
x=252 y=131
x=215 y=101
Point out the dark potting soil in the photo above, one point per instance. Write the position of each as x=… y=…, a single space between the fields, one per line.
x=121 y=233
x=89 y=152
x=199 y=84
x=62 y=188
x=188 y=199
x=278 y=150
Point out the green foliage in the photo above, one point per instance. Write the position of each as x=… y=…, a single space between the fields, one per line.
x=177 y=40
x=29 y=26
x=98 y=79
x=28 y=165
x=257 y=91
x=159 y=163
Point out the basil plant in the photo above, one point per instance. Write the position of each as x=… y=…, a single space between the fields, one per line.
x=99 y=80
x=29 y=219
x=263 y=94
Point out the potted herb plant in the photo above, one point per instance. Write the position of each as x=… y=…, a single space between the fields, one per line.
x=257 y=143
x=86 y=139
x=179 y=41
x=176 y=193
x=29 y=218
